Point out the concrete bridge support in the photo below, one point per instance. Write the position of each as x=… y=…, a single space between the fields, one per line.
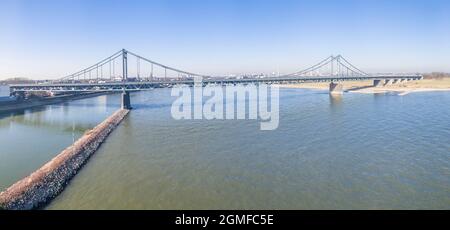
x=126 y=102
x=377 y=83
x=336 y=88
x=389 y=82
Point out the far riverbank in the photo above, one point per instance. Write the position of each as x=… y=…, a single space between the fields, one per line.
x=426 y=85
x=10 y=106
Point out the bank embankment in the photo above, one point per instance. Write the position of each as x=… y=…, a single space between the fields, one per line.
x=46 y=183
x=426 y=85
x=11 y=106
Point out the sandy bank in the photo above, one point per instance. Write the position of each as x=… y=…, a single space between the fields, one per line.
x=426 y=85
x=47 y=182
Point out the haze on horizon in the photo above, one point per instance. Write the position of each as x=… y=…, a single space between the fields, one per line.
x=50 y=38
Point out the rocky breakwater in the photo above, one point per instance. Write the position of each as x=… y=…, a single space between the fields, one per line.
x=43 y=185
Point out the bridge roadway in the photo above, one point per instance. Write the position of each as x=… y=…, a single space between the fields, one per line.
x=142 y=85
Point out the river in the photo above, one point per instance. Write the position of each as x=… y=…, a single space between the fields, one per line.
x=359 y=151
x=4 y=91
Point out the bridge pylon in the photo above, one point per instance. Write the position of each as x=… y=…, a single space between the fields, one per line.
x=124 y=65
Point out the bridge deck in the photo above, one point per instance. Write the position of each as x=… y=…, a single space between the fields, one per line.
x=111 y=86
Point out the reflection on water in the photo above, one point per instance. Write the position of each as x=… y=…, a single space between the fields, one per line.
x=336 y=100
x=354 y=152
x=32 y=137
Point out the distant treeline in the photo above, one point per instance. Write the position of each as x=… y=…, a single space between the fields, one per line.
x=436 y=75
x=16 y=80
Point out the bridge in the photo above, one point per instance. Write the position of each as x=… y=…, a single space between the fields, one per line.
x=114 y=73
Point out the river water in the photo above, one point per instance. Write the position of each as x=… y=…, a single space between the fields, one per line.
x=360 y=151
x=4 y=91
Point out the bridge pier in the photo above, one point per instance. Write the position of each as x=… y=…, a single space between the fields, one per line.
x=388 y=82
x=126 y=102
x=377 y=83
x=336 y=88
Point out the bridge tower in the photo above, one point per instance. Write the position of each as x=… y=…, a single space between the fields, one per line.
x=126 y=102
x=124 y=65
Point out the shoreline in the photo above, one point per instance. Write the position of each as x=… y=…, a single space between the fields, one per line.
x=366 y=87
x=43 y=185
x=400 y=92
x=12 y=106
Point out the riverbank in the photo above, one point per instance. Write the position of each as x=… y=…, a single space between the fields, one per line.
x=11 y=106
x=46 y=183
x=426 y=85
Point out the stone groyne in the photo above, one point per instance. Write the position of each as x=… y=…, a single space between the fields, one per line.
x=43 y=185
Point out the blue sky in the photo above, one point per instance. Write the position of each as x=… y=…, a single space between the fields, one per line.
x=49 y=39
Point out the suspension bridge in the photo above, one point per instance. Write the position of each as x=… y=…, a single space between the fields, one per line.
x=126 y=71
